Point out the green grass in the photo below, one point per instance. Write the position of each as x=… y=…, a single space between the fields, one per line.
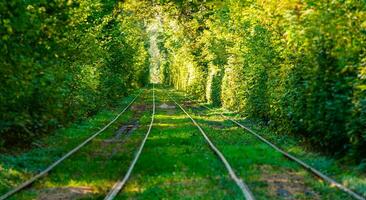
x=176 y=162
x=96 y=165
x=349 y=175
x=233 y=140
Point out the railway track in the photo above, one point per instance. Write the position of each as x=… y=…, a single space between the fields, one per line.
x=65 y=156
x=243 y=187
x=312 y=170
x=119 y=184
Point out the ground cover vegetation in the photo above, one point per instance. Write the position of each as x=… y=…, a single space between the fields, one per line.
x=176 y=162
x=92 y=171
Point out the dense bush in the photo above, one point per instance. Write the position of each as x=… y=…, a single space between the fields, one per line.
x=64 y=60
x=297 y=65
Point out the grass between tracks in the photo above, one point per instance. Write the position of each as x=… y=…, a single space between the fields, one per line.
x=283 y=178
x=89 y=173
x=176 y=162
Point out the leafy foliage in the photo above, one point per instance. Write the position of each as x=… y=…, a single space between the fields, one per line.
x=297 y=65
x=64 y=60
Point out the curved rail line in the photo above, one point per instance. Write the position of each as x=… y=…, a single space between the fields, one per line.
x=314 y=171
x=57 y=162
x=243 y=187
x=119 y=185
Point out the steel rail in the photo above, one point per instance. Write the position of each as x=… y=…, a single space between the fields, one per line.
x=243 y=187
x=64 y=157
x=314 y=171
x=119 y=184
